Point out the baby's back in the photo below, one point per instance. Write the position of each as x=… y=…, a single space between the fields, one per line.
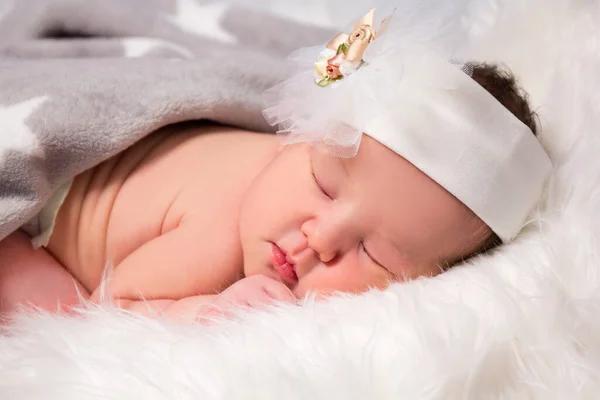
x=164 y=213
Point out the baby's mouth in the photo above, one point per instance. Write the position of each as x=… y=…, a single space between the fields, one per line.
x=285 y=269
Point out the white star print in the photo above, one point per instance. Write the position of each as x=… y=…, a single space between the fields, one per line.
x=202 y=19
x=14 y=133
x=139 y=46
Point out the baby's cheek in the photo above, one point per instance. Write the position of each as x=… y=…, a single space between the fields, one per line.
x=327 y=280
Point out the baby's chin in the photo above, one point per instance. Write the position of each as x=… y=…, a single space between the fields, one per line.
x=253 y=268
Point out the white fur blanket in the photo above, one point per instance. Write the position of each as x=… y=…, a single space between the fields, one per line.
x=522 y=323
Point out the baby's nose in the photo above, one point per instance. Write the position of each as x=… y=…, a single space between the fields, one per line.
x=323 y=241
x=326 y=257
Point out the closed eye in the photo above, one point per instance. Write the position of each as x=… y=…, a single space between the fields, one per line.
x=312 y=172
x=363 y=248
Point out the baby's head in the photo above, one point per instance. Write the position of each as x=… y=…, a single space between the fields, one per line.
x=401 y=161
x=323 y=223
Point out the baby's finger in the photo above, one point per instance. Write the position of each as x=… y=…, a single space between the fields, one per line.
x=260 y=300
x=278 y=291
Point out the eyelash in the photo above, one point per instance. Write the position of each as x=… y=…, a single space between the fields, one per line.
x=362 y=244
x=312 y=172
x=363 y=248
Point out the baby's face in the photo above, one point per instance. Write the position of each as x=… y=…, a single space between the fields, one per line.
x=320 y=223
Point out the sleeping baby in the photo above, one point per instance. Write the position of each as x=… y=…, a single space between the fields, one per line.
x=386 y=174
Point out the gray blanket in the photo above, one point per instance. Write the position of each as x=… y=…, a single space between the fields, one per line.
x=81 y=80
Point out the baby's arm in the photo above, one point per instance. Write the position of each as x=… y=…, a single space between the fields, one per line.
x=186 y=309
x=171 y=266
x=165 y=276
x=254 y=291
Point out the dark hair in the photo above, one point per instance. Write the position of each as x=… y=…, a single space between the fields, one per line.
x=503 y=85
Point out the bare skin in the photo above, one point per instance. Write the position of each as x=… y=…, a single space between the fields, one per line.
x=188 y=215
x=161 y=203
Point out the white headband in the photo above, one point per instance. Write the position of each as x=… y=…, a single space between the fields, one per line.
x=406 y=94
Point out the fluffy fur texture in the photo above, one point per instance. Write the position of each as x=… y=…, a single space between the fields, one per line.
x=520 y=323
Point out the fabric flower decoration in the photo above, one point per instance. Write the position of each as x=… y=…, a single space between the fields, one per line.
x=343 y=54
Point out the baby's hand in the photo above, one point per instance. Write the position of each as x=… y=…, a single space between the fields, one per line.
x=254 y=291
